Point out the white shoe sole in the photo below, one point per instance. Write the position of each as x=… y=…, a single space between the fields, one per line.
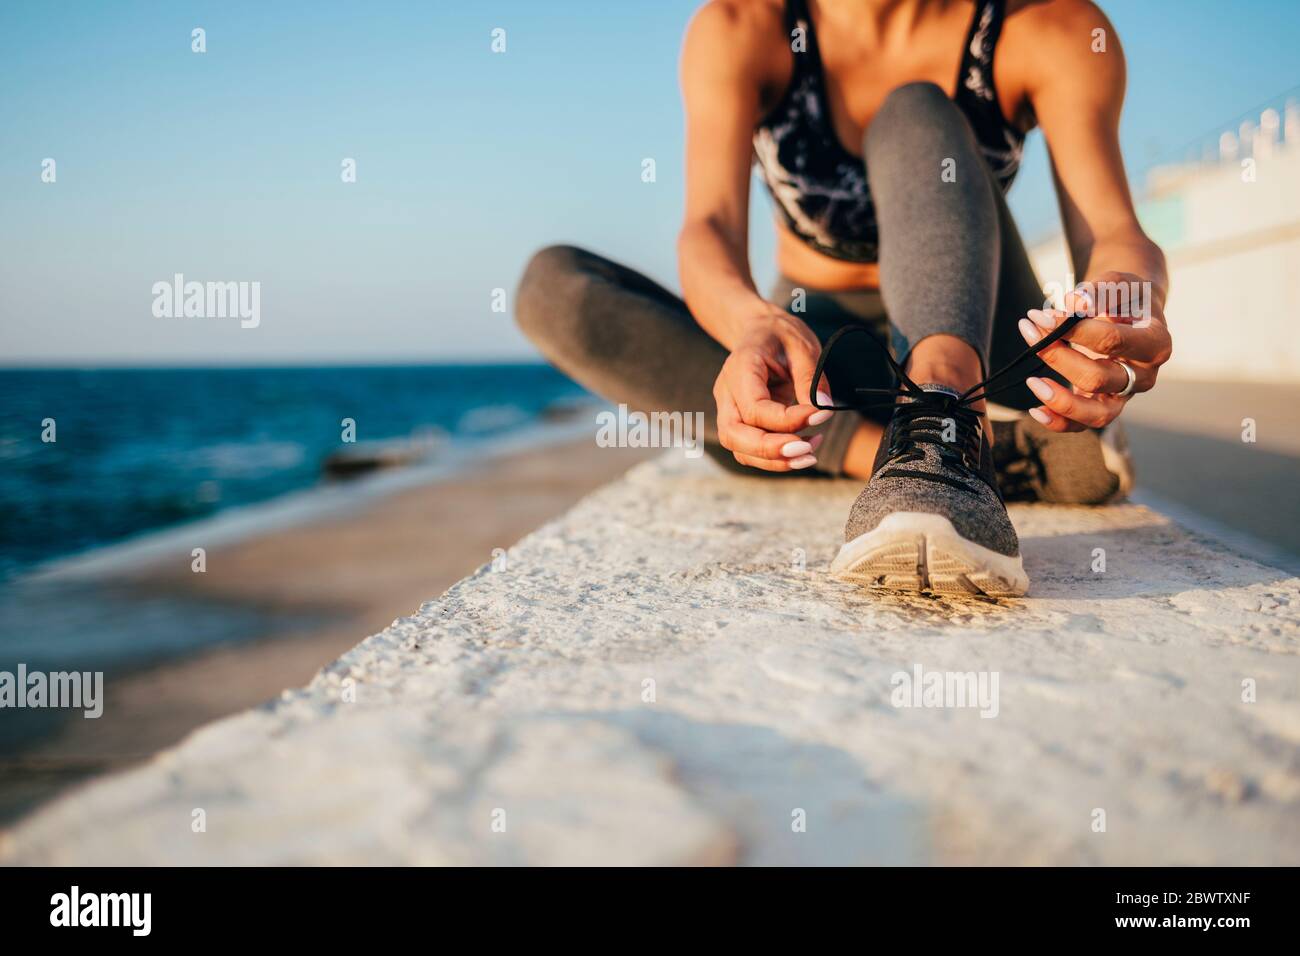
x=916 y=551
x=1114 y=452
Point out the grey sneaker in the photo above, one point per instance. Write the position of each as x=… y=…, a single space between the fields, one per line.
x=1034 y=463
x=931 y=517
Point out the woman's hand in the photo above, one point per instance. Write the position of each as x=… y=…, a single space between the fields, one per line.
x=1087 y=356
x=763 y=394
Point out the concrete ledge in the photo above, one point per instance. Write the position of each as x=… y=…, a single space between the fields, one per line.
x=520 y=698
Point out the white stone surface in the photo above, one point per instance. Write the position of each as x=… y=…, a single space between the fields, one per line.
x=522 y=690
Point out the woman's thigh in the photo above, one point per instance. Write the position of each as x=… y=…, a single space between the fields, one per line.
x=618 y=333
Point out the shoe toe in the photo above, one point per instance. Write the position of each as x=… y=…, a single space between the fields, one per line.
x=976 y=513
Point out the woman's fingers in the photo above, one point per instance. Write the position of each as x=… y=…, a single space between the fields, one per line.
x=1121 y=296
x=1098 y=354
x=1049 y=419
x=742 y=439
x=1080 y=300
x=1112 y=338
x=1099 y=379
x=1094 y=411
x=767 y=464
x=760 y=449
x=746 y=373
x=754 y=422
x=802 y=349
x=1085 y=373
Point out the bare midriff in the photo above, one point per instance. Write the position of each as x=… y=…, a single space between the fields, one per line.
x=806 y=266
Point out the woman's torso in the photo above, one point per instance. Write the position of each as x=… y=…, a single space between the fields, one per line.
x=824 y=97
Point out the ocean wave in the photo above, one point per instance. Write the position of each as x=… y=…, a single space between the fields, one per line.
x=491 y=418
x=242 y=459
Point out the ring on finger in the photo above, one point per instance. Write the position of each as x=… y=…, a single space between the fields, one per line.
x=1132 y=378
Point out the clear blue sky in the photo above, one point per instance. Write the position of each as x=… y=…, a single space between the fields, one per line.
x=225 y=165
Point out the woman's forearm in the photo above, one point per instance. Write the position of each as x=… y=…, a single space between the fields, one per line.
x=716 y=283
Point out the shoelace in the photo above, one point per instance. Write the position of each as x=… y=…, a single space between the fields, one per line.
x=928 y=421
x=920 y=420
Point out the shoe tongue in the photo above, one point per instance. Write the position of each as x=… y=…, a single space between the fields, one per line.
x=936 y=387
x=941 y=411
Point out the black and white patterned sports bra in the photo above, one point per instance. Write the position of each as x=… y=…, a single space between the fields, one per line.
x=820 y=188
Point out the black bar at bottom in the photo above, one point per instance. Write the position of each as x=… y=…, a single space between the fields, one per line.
x=367 y=906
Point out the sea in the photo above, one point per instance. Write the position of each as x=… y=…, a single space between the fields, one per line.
x=98 y=465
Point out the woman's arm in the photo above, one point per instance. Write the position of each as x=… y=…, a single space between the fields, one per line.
x=762 y=392
x=1078 y=103
x=1077 y=93
x=721 y=79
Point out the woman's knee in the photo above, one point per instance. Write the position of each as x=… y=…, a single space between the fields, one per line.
x=914 y=119
x=551 y=290
x=913 y=103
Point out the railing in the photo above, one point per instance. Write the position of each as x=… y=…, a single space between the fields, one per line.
x=1260 y=131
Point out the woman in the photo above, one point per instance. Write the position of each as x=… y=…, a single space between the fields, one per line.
x=911 y=228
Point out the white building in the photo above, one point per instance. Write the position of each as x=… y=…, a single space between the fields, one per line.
x=1229 y=222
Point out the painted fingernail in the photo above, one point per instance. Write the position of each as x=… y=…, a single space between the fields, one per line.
x=793 y=449
x=824 y=399
x=1028 y=330
x=816 y=418
x=1041 y=318
x=1039 y=388
x=1040 y=416
x=807 y=461
x=815 y=441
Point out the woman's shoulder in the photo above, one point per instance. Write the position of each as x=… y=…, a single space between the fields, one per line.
x=1052 y=20
x=757 y=19
x=751 y=31
x=745 y=37
x=1047 y=43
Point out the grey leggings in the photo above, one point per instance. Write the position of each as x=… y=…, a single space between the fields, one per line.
x=951 y=262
